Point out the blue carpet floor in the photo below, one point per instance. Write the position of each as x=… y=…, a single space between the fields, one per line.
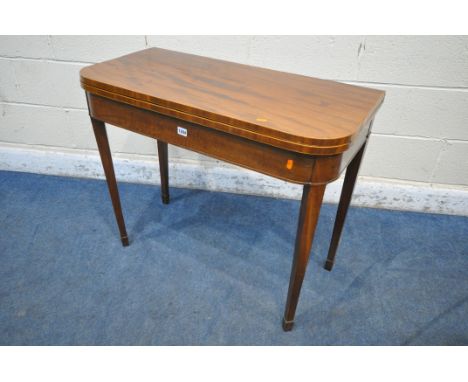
x=213 y=268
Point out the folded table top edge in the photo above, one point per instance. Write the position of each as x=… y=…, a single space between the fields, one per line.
x=122 y=80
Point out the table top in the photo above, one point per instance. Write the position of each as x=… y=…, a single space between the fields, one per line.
x=295 y=112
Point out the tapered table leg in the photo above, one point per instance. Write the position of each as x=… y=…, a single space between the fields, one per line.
x=345 y=200
x=164 y=171
x=106 y=159
x=312 y=197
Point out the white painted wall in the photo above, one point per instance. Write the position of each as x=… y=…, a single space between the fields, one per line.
x=420 y=134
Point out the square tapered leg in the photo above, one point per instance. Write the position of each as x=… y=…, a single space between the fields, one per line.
x=164 y=171
x=106 y=158
x=311 y=203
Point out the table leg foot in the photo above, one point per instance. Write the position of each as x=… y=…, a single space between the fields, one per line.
x=165 y=199
x=328 y=265
x=125 y=242
x=287 y=325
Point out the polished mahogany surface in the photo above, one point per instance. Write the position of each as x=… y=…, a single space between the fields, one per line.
x=289 y=111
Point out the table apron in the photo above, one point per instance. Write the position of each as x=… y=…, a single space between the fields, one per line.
x=279 y=163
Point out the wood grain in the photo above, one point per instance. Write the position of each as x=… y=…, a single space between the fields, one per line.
x=290 y=111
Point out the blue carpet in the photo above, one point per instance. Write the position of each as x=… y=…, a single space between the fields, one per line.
x=213 y=268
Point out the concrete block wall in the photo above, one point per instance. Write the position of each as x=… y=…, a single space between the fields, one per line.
x=420 y=134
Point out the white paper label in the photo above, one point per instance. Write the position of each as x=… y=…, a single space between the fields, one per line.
x=181 y=131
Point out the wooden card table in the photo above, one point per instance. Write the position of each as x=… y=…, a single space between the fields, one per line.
x=300 y=129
